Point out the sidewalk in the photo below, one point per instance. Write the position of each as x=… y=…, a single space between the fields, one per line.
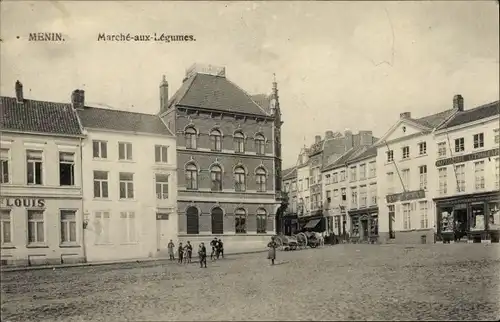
x=116 y=262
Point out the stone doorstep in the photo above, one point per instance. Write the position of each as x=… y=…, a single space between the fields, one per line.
x=102 y=263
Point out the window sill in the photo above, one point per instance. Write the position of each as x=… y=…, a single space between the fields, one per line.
x=162 y=199
x=68 y=186
x=100 y=159
x=126 y=199
x=37 y=246
x=129 y=243
x=422 y=155
x=126 y=161
x=101 y=199
x=69 y=245
x=405 y=159
x=7 y=246
x=103 y=244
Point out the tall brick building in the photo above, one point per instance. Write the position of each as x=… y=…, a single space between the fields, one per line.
x=228 y=158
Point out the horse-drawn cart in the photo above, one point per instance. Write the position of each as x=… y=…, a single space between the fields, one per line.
x=298 y=241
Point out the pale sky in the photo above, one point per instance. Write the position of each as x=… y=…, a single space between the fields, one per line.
x=339 y=65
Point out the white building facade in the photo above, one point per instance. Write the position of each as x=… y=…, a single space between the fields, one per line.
x=467 y=176
x=129 y=183
x=405 y=158
x=41 y=186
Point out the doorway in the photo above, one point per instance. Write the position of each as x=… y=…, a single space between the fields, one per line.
x=364 y=229
x=460 y=223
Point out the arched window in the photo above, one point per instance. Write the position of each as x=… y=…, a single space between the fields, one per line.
x=260 y=177
x=261 y=221
x=240 y=221
x=260 y=147
x=239 y=142
x=191 y=177
x=190 y=135
x=216 y=176
x=217 y=221
x=215 y=140
x=239 y=179
x=192 y=221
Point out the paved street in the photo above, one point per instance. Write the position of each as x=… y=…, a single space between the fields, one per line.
x=343 y=282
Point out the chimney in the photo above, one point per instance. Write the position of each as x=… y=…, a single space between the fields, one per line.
x=405 y=115
x=163 y=95
x=78 y=99
x=19 y=92
x=348 y=140
x=317 y=138
x=366 y=138
x=458 y=102
x=328 y=134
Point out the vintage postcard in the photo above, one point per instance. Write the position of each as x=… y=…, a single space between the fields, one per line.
x=249 y=160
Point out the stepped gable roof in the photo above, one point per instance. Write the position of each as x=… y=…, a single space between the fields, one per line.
x=216 y=93
x=474 y=114
x=33 y=116
x=117 y=120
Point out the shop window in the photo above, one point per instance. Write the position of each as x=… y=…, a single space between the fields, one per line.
x=477 y=218
x=446 y=220
x=494 y=217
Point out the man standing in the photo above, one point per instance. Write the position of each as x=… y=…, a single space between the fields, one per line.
x=202 y=255
x=171 y=247
x=220 y=248
x=213 y=244
x=189 y=251
x=180 y=250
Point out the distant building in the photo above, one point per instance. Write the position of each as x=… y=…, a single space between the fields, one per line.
x=312 y=161
x=406 y=178
x=41 y=182
x=229 y=159
x=466 y=163
x=129 y=183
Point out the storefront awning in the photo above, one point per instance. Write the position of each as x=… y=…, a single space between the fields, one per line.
x=311 y=224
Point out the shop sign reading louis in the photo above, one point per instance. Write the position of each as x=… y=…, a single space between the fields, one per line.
x=22 y=202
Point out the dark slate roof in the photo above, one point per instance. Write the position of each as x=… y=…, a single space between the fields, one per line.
x=343 y=159
x=368 y=153
x=216 y=93
x=290 y=173
x=434 y=120
x=108 y=119
x=38 y=117
x=474 y=114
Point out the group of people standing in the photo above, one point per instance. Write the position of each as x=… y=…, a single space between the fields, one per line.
x=185 y=253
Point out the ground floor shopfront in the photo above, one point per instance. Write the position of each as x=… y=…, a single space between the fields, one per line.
x=241 y=226
x=472 y=218
x=364 y=225
x=41 y=230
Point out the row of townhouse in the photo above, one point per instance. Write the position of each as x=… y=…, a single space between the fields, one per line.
x=305 y=182
x=429 y=179
x=82 y=183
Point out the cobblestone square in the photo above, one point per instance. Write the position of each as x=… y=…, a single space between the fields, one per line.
x=343 y=282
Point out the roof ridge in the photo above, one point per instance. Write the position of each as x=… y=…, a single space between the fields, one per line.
x=190 y=81
x=120 y=111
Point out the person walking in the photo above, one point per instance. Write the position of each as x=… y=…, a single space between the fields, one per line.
x=171 y=247
x=180 y=250
x=189 y=251
x=272 y=245
x=220 y=249
x=213 y=244
x=202 y=255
